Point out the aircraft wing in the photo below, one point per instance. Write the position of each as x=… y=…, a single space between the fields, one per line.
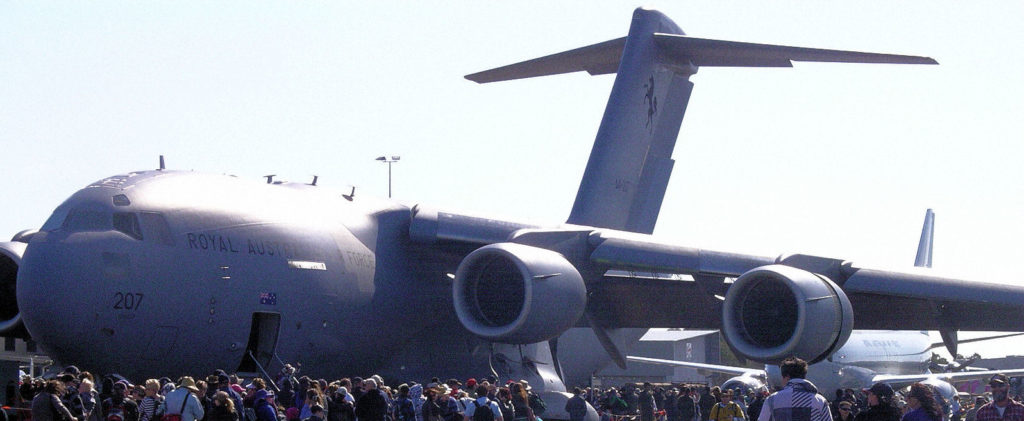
x=880 y=299
x=725 y=369
x=901 y=380
x=767 y=307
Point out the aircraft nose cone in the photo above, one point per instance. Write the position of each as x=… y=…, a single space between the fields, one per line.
x=54 y=296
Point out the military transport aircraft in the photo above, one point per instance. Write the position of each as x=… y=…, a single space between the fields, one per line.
x=174 y=272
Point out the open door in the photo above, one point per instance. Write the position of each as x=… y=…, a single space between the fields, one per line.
x=262 y=342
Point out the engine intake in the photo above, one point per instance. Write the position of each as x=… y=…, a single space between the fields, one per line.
x=518 y=294
x=777 y=311
x=10 y=316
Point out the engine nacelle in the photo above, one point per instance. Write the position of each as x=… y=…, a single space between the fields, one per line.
x=777 y=311
x=518 y=294
x=10 y=316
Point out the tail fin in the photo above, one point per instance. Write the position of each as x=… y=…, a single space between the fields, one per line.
x=924 y=247
x=631 y=160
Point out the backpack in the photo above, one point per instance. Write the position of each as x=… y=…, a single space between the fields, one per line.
x=537 y=405
x=483 y=412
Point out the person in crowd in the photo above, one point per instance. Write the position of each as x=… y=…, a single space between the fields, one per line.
x=799 y=400
x=313 y=397
x=726 y=410
x=345 y=405
x=449 y=405
x=672 y=405
x=431 y=409
x=47 y=405
x=484 y=409
x=264 y=406
x=576 y=406
x=706 y=401
x=317 y=413
x=417 y=398
x=403 y=406
x=249 y=400
x=646 y=404
x=71 y=398
x=224 y=385
x=737 y=397
x=972 y=414
x=222 y=408
x=504 y=401
x=371 y=406
x=922 y=404
x=120 y=407
x=845 y=411
x=521 y=403
x=632 y=398
x=688 y=408
x=1002 y=408
x=150 y=401
x=182 y=401
x=754 y=409
x=881 y=405
x=91 y=405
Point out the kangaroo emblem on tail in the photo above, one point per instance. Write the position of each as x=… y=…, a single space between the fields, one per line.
x=652 y=102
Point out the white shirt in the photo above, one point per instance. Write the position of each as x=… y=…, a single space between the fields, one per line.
x=471 y=408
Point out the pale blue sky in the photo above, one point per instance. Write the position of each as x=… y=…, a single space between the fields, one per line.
x=837 y=160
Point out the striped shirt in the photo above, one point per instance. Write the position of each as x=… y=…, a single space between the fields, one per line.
x=798 y=401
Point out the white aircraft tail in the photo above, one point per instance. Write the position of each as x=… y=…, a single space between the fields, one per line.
x=924 y=247
x=631 y=161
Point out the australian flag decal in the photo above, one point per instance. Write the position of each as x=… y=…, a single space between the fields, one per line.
x=268 y=298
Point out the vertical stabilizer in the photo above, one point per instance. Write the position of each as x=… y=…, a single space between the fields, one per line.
x=924 y=247
x=631 y=160
x=630 y=163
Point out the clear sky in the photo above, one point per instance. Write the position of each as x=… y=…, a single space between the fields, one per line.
x=839 y=160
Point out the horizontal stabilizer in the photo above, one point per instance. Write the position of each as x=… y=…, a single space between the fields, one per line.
x=682 y=50
x=598 y=59
x=712 y=52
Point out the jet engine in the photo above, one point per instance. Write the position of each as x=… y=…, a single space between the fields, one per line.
x=518 y=294
x=776 y=311
x=10 y=316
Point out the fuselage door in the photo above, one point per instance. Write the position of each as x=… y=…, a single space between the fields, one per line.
x=262 y=342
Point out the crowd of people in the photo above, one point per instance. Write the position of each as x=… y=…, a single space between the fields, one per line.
x=75 y=396
x=878 y=403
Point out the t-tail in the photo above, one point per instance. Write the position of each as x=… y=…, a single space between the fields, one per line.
x=631 y=161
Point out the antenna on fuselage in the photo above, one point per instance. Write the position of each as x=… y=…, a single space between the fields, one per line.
x=162 y=167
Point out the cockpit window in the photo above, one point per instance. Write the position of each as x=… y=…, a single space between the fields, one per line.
x=87 y=220
x=56 y=220
x=156 y=227
x=127 y=223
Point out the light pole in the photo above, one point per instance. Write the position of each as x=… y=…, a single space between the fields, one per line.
x=389 y=161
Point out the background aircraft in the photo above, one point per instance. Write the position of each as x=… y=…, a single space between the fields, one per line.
x=898 y=358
